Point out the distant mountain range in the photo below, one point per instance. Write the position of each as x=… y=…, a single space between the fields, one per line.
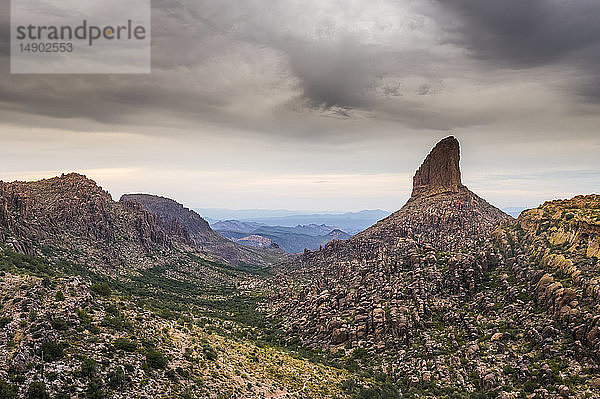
x=291 y=239
x=350 y=222
x=514 y=211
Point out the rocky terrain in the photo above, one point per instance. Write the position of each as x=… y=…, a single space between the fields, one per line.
x=72 y=216
x=185 y=223
x=449 y=297
x=156 y=335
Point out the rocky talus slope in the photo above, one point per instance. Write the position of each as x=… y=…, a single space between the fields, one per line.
x=451 y=299
x=555 y=249
x=174 y=217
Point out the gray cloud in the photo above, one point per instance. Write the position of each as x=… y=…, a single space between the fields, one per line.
x=526 y=34
x=287 y=68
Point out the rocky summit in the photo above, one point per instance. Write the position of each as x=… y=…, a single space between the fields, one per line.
x=441 y=213
x=73 y=216
x=440 y=172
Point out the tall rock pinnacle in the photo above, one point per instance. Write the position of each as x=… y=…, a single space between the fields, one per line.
x=440 y=172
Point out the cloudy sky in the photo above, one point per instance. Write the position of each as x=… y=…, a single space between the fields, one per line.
x=322 y=104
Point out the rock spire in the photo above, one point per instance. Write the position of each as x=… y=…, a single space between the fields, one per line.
x=440 y=172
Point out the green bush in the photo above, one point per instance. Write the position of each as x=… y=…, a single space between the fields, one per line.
x=95 y=390
x=60 y=324
x=156 y=359
x=60 y=296
x=88 y=367
x=52 y=351
x=118 y=322
x=7 y=391
x=101 y=289
x=125 y=344
x=11 y=261
x=4 y=321
x=209 y=352
x=116 y=378
x=37 y=390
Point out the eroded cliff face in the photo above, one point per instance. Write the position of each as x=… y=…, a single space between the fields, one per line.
x=190 y=228
x=72 y=213
x=440 y=172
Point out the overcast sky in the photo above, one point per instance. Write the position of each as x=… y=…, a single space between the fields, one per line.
x=322 y=105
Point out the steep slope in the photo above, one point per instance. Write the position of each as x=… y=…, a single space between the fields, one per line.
x=441 y=212
x=72 y=213
x=171 y=213
x=445 y=297
x=555 y=248
x=156 y=335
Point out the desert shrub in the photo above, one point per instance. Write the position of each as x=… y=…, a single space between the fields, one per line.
x=209 y=352
x=88 y=367
x=84 y=316
x=60 y=296
x=4 y=321
x=60 y=324
x=95 y=390
x=112 y=309
x=156 y=359
x=118 y=322
x=7 y=391
x=116 y=378
x=125 y=344
x=52 y=351
x=101 y=289
x=37 y=390
x=10 y=261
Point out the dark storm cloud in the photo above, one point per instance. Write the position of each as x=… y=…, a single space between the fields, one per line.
x=265 y=65
x=209 y=55
x=530 y=33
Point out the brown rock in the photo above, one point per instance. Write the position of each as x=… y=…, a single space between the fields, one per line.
x=440 y=172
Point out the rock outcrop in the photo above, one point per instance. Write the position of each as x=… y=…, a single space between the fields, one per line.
x=450 y=292
x=441 y=213
x=440 y=172
x=72 y=213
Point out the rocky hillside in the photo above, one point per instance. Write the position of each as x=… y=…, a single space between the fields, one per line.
x=449 y=298
x=173 y=217
x=554 y=248
x=72 y=217
x=167 y=332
